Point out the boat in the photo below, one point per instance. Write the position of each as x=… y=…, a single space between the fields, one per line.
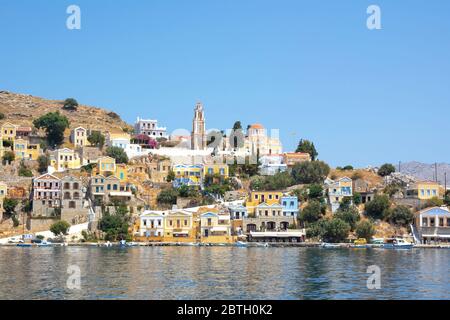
x=359 y=244
x=241 y=244
x=25 y=245
x=44 y=244
x=122 y=243
x=132 y=244
x=397 y=243
x=330 y=245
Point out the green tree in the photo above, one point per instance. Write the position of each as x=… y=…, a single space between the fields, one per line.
x=7 y=143
x=60 y=228
x=70 y=104
x=54 y=125
x=400 y=215
x=96 y=138
x=348 y=168
x=170 y=176
x=447 y=198
x=185 y=191
x=2 y=116
x=118 y=154
x=116 y=226
x=8 y=157
x=307 y=146
x=335 y=230
x=24 y=171
x=386 y=169
x=237 y=126
x=315 y=191
x=310 y=172
x=357 y=198
x=365 y=230
x=312 y=212
x=9 y=207
x=377 y=207
x=349 y=215
x=43 y=163
x=167 y=196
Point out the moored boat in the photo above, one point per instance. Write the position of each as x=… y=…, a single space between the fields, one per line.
x=397 y=243
x=241 y=244
x=330 y=245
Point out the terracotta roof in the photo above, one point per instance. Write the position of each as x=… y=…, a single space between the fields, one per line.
x=256 y=126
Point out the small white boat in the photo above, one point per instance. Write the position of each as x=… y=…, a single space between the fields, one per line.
x=44 y=244
x=241 y=244
x=397 y=243
x=132 y=244
x=330 y=245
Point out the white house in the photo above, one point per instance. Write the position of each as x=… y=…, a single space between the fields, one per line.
x=152 y=224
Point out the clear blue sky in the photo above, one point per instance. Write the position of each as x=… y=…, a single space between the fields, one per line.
x=310 y=68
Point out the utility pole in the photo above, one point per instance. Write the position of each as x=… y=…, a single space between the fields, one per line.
x=399 y=166
x=435 y=172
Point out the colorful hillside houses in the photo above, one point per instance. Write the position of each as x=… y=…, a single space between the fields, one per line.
x=104 y=189
x=65 y=159
x=425 y=190
x=215 y=228
x=238 y=212
x=179 y=227
x=46 y=195
x=78 y=137
x=433 y=225
x=190 y=175
x=290 y=206
x=293 y=158
x=257 y=141
x=145 y=141
x=338 y=190
x=150 y=128
x=271 y=164
x=266 y=197
x=123 y=141
x=9 y=131
x=151 y=225
x=23 y=150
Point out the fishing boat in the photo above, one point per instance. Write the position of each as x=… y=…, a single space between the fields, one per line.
x=397 y=243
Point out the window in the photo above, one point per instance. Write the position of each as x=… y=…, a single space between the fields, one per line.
x=72 y=205
x=441 y=222
x=292 y=203
x=145 y=222
x=185 y=222
x=270 y=197
x=434 y=192
x=285 y=204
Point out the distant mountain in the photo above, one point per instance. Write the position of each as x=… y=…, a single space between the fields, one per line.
x=424 y=171
x=22 y=109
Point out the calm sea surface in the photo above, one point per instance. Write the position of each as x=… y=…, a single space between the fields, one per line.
x=223 y=273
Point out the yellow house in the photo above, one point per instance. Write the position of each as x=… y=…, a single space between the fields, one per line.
x=78 y=137
x=3 y=193
x=190 y=175
x=111 y=136
x=179 y=227
x=64 y=159
x=106 y=165
x=425 y=190
x=258 y=197
x=122 y=172
x=9 y=131
x=25 y=151
x=216 y=169
x=215 y=228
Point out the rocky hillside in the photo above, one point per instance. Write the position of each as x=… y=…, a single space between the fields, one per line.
x=424 y=171
x=22 y=109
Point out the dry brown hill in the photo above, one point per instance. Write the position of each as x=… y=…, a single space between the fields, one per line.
x=22 y=109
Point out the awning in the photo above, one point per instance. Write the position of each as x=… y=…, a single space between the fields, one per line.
x=219 y=229
x=277 y=234
x=120 y=194
x=181 y=232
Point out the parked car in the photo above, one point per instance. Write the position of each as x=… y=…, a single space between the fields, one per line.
x=15 y=240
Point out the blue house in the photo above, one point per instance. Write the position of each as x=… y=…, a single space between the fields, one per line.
x=290 y=206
